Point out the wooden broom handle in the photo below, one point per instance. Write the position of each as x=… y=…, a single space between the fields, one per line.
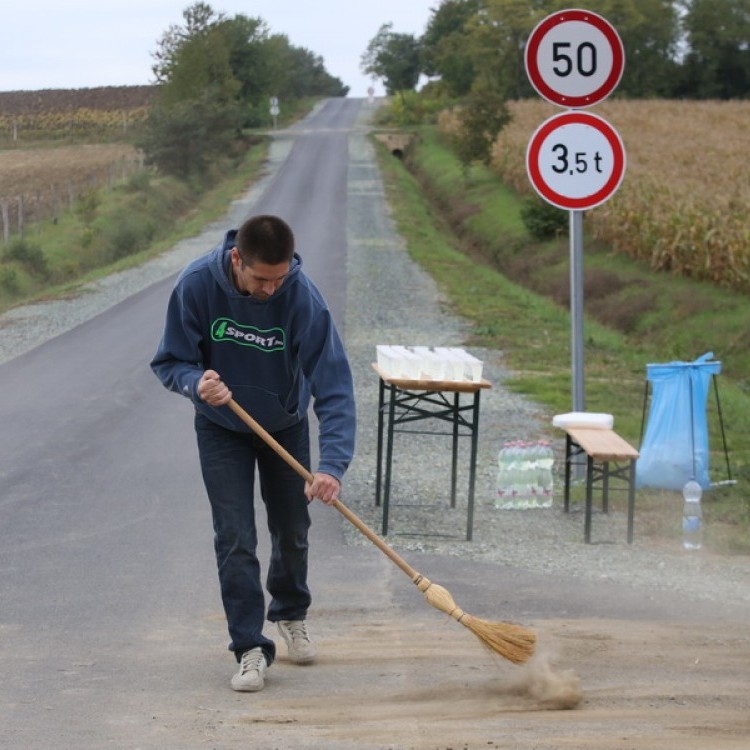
x=350 y=516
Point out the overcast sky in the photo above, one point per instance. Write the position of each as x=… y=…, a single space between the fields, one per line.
x=89 y=43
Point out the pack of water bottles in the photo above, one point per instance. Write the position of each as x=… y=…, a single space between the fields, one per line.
x=524 y=475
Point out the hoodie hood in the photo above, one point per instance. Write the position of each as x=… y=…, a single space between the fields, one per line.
x=220 y=265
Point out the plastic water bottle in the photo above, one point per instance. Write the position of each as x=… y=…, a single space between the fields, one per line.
x=504 y=499
x=510 y=489
x=545 y=463
x=692 y=516
x=527 y=476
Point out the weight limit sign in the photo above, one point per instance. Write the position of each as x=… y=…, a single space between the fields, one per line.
x=575 y=160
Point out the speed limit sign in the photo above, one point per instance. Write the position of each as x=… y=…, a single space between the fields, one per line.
x=574 y=58
x=575 y=160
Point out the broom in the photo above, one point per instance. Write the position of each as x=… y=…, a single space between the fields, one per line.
x=511 y=641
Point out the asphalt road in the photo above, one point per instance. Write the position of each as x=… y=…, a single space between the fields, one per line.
x=105 y=540
x=111 y=630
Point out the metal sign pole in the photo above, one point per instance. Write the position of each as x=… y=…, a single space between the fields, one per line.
x=576 y=308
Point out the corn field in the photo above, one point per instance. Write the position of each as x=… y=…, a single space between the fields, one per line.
x=684 y=203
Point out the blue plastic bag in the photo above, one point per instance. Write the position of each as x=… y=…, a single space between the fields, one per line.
x=675 y=446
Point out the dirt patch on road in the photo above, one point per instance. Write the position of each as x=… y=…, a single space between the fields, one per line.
x=428 y=685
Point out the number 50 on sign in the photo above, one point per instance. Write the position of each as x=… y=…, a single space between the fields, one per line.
x=575 y=160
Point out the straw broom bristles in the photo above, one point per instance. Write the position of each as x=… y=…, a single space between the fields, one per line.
x=511 y=641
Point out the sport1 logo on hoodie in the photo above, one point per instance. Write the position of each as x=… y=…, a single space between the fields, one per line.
x=269 y=340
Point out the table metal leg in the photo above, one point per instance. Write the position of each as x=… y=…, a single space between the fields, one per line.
x=631 y=500
x=388 y=458
x=379 y=474
x=454 y=455
x=589 y=493
x=472 y=467
x=568 y=459
x=605 y=487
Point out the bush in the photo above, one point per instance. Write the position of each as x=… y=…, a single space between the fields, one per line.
x=29 y=255
x=87 y=205
x=9 y=279
x=183 y=139
x=482 y=116
x=543 y=220
x=126 y=234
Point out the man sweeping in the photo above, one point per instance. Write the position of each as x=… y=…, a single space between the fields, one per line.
x=245 y=322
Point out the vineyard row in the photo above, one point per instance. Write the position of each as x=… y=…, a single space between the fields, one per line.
x=19 y=211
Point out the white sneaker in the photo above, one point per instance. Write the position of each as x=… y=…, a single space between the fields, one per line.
x=251 y=675
x=301 y=649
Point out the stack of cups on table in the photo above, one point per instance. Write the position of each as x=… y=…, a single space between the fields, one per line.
x=441 y=363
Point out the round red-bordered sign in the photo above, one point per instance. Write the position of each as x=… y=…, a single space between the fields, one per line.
x=574 y=58
x=575 y=160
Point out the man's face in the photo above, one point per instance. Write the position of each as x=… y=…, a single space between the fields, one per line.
x=257 y=279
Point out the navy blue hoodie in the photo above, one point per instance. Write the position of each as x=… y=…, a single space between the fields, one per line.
x=273 y=354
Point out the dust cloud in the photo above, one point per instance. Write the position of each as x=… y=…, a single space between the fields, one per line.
x=551 y=689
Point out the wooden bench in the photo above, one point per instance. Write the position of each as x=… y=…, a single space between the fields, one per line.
x=602 y=447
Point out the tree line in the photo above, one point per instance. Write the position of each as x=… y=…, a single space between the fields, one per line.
x=216 y=76
x=691 y=49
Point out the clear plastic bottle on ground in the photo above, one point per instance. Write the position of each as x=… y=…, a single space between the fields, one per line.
x=692 y=516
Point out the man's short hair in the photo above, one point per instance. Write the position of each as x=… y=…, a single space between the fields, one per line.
x=265 y=238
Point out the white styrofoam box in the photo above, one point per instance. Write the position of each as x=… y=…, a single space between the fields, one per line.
x=588 y=419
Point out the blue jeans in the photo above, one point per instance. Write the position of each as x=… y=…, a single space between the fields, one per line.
x=228 y=460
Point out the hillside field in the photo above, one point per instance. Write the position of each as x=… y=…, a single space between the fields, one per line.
x=57 y=143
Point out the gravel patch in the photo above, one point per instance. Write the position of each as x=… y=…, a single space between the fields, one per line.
x=403 y=306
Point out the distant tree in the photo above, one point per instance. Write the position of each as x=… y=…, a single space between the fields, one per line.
x=717 y=63
x=198 y=17
x=298 y=72
x=650 y=33
x=444 y=51
x=197 y=117
x=250 y=57
x=496 y=39
x=202 y=64
x=216 y=74
x=480 y=43
x=393 y=58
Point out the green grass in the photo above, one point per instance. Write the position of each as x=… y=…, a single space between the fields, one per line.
x=72 y=245
x=468 y=234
